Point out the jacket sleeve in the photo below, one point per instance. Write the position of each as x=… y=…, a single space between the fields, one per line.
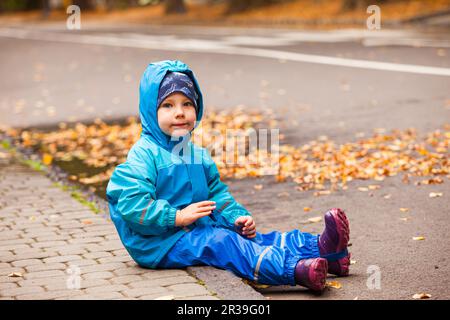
x=132 y=190
x=227 y=208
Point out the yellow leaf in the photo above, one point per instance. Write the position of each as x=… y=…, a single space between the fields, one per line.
x=388 y=196
x=32 y=218
x=86 y=222
x=418 y=238
x=258 y=186
x=352 y=261
x=422 y=296
x=435 y=194
x=47 y=159
x=334 y=284
x=315 y=219
x=306 y=209
x=363 y=189
x=404 y=209
x=374 y=187
x=15 y=275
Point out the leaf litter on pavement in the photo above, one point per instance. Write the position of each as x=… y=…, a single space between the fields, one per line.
x=320 y=165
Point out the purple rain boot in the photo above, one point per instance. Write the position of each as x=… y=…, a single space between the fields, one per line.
x=334 y=240
x=311 y=273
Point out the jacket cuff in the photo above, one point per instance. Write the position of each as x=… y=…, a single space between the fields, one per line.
x=236 y=215
x=171 y=217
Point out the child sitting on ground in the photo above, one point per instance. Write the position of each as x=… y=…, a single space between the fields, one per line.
x=171 y=209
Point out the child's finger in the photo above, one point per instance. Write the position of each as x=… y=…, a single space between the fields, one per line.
x=203 y=214
x=252 y=235
x=206 y=203
x=203 y=209
x=251 y=223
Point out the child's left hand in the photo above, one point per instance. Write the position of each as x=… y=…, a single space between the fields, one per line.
x=248 y=226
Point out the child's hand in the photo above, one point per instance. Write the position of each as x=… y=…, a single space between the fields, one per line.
x=194 y=211
x=248 y=226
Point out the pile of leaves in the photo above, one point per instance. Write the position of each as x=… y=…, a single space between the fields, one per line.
x=321 y=165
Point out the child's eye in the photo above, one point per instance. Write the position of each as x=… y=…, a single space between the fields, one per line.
x=166 y=105
x=188 y=103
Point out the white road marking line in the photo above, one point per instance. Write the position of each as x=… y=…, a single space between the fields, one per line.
x=218 y=47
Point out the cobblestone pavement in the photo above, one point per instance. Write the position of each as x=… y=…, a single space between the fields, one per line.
x=54 y=247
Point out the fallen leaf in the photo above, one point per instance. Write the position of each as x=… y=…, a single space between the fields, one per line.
x=418 y=238
x=255 y=284
x=322 y=193
x=15 y=275
x=363 y=189
x=352 y=261
x=306 y=209
x=86 y=222
x=32 y=218
x=258 y=186
x=47 y=159
x=315 y=219
x=404 y=219
x=334 y=284
x=374 y=187
x=283 y=194
x=388 y=196
x=435 y=194
x=422 y=296
x=404 y=209
x=165 y=298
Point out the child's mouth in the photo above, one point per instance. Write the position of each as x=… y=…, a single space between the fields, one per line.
x=179 y=125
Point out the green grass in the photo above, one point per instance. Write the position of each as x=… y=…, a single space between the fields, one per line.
x=34 y=164
x=6 y=145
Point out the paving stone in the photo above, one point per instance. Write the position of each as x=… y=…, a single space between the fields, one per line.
x=46 y=266
x=62 y=258
x=98 y=275
x=26 y=263
x=163 y=282
x=138 y=292
x=107 y=288
x=190 y=289
x=43 y=274
x=127 y=279
x=21 y=291
x=51 y=295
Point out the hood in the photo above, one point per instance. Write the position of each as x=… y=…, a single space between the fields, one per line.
x=148 y=96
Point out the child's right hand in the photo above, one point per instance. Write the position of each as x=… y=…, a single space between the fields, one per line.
x=193 y=212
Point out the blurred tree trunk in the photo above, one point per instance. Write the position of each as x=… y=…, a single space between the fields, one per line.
x=235 y=6
x=83 y=4
x=45 y=8
x=358 y=4
x=175 y=6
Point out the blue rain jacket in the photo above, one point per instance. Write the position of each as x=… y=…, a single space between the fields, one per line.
x=162 y=176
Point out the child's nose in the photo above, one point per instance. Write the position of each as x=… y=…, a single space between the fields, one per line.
x=179 y=111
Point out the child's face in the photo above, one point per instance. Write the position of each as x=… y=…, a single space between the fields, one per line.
x=176 y=115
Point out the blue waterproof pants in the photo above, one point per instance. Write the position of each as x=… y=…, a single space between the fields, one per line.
x=267 y=258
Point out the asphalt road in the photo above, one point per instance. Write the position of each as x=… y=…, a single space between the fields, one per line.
x=51 y=75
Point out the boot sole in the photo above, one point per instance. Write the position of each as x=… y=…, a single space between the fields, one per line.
x=340 y=220
x=318 y=274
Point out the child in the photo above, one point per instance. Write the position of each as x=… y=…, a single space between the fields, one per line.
x=171 y=209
